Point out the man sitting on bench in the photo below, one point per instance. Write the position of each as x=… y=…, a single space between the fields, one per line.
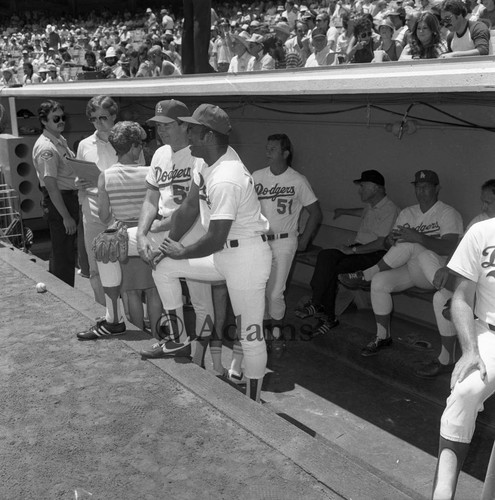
x=420 y=243
x=377 y=219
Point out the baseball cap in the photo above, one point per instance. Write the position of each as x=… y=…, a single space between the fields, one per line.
x=210 y=116
x=168 y=112
x=371 y=176
x=110 y=52
x=426 y=176
x=318 y=32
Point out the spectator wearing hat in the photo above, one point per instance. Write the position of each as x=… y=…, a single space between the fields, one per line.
x=43 y=72
x=282 y=34
x=242 y=57
x=299 y=43
x=150 y=19
x=161 y=64
x=422 y=239
x=112 y=68
x=397 y=16
x=426 y=41
x=389 y=49
x=167 y=20
x=223 y=46
x=53 y=76
x=255 y=43
x=322 y=54
x=465 y=38
x=9 y=78
x=376 y=221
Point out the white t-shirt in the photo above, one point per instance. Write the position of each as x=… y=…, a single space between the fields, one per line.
x=474 y=259
x=282 y=197
x=171 y=173
x=226 y=192
x=439 y=220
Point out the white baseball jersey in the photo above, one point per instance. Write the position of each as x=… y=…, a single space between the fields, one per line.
x=439 y=220
x=474 y=259
x=282 y=197
x=226 y=192
x=171 y=173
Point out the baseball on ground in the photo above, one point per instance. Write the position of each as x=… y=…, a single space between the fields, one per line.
x=41 y=288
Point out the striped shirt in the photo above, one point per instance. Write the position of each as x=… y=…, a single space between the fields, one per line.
x=126 y=189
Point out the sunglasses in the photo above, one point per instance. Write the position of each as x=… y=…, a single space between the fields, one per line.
x=446 y=20
x=94 y=119
x=365 y=34
x=57 y=118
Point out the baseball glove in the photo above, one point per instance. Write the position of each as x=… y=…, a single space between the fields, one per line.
x=112 y=244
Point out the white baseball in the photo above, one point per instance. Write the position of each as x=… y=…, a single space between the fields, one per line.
x=41 y=288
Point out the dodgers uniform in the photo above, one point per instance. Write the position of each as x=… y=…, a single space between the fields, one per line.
x=474 y=259
x=282 y=197
x=412 y=264
x=226 y=192
x=171 y=174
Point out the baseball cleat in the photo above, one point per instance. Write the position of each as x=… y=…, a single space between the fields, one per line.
x=167 y=348
x=354 y=280
x=309 y=309
x=324 y=327
x=375 y=345
x=102 y=329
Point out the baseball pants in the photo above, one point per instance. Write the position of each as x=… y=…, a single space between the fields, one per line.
x=111 y=276
x=467 y=397
x=246 y=269
x=445 y=327
x=412 y=265
x=283 y=251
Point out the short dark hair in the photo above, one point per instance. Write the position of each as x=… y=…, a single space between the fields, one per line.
x=490 y=184
x=104 y=102
x=46 y=108
x=124 y=135
x=221 y=139
x=455 y=7
x=285 y=145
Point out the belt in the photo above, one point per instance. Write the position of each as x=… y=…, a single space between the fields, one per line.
x=280 y=236
x=492 y=327
x=244 y=242
x=63 y=191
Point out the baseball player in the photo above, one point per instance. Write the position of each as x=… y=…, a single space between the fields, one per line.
x=444 y=281
x=234 y=247
x=423 y=237
x=283 y=193
x=473 y=378
x=168 y=183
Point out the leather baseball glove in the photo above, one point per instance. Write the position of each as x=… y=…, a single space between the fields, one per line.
x=112 y=244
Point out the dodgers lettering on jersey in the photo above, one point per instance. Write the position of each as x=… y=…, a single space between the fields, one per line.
x=439 y=220
x=282 y=197
x=474 y=259
x=171 y=173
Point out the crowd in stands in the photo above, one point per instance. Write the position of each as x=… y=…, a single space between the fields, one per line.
x=36 y=49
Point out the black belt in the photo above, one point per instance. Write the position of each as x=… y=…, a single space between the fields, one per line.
x=235 y=243
x=281 y=236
